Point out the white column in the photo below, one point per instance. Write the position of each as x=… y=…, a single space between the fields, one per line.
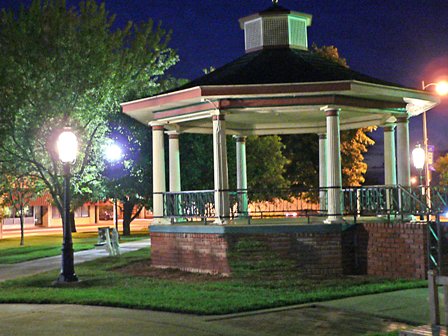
x=158 y=172
x=241 y=174
x=220 y=170
x=390 y=170
x=403 y=157
x=323 y=171
x=334 y=166
x=174 y=161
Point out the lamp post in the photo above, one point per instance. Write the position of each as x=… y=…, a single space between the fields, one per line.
x=67 y=149
x=113 y=154
x=441 y=89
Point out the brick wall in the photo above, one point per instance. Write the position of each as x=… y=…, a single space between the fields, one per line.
x=378 y=249
x=192 y=252
x=392 y=250
x=319 y=254
x=313 y=254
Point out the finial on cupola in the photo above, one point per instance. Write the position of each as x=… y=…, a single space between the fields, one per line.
x=275 y=2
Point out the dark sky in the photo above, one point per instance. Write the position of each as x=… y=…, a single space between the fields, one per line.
x=402 y=41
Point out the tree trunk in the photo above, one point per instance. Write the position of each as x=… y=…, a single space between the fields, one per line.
x=72 y=221
x=127 y=217
x=22 y=222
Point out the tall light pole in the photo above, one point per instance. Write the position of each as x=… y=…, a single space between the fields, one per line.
x=67 y=149
x=441 y=89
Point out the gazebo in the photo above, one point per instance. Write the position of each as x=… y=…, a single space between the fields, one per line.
x=277 y=87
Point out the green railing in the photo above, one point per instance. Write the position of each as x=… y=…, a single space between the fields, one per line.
x=200 y=205
x=385 y=201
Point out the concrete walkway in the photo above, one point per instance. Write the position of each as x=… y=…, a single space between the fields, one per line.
x=13 y=271
x=32 y=319
x=341 y=317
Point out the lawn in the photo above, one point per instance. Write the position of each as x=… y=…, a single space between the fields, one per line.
x=128 y=281
x=47 y=246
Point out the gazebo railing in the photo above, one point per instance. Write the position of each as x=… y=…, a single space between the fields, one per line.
x=200 y=205
x=385 y=201
x=197 y=204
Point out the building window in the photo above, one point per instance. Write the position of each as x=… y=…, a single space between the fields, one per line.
x=106 y=212
x=83 y=211
x=12 y=212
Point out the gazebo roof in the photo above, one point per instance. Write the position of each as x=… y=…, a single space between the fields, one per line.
x=280 y=66
x=278 y=87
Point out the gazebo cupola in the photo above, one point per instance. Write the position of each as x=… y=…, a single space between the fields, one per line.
x=275 y=27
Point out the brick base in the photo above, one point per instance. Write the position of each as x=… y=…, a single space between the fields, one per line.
x=393 y=250
x=192 y=252
x=378 y=249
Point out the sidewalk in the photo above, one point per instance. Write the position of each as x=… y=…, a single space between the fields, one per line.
x=107 y=321
x=13 y=271
x=360 y=315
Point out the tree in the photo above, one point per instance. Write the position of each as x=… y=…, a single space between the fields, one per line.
x=18 y=191
x=263 y=175
x=71 y=67
x=353 y=144
x=331 y=53
x=130 y=179
x=441 y=167
x=302 y=152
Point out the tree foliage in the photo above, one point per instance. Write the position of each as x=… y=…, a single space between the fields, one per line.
x=302 y=152
x=441 y=167
x=354 y=143
x=265 y=162
x=130 y=178
x=70 y=67
x=331 y=53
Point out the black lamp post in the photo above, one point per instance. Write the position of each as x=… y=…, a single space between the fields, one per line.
x=67 y=147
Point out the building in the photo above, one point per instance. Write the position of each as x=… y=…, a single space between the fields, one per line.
x=279 y=87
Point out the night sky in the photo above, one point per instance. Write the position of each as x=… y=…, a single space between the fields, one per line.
x=402 y=41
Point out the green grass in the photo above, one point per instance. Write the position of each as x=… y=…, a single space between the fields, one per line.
x=103 y=285
x=47 y=246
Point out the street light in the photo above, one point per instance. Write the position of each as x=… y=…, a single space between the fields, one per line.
x=441 y=89
x=113 y=154
x=67 y=149
x=419 y=158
